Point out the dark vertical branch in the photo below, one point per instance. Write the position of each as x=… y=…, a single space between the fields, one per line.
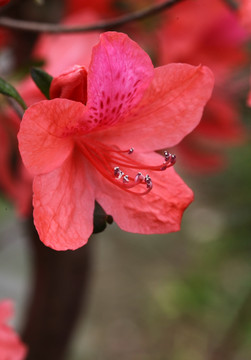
x=61 y=285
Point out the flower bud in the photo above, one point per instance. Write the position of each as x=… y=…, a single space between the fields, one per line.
x=71 y=85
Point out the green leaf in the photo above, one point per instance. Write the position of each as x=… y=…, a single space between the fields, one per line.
x=43 y=80
x=9 y=90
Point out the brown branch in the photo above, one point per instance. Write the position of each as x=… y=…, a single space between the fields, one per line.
x=232 y=4
x=61 y=288
x=102 y=25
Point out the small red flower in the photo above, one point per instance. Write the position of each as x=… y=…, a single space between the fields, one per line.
x=104 y=150
x=11 y=347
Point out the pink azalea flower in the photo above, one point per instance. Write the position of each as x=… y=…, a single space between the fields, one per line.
x=104 y=150
x=11 y=347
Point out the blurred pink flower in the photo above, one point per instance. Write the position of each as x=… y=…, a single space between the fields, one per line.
x=208 y=32
x=79 y=153
x=11 y=347
x=245 y=13
x=15 y=181
x=101 y=7
x=4 y=2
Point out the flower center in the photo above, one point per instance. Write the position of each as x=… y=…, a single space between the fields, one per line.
x=120 y=168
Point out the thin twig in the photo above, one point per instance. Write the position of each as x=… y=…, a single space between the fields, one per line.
x=102 y=25
x=16 y=107
x=232 y=4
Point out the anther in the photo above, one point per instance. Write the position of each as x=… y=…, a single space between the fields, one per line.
x=118 y=173
x=167 y=155
x=139 y=177
x=125 y=179
x=173 y=159
x=148 y=182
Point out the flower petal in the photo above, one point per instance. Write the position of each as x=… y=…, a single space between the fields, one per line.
x=171 y=108
x=63 y=205
x=159 y=211
x=119 y=73
x=44 y=136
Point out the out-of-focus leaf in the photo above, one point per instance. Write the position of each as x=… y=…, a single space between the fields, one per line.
x=43 y=80
x=9 y=90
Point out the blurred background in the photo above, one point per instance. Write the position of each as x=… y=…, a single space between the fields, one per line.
x=180 y=296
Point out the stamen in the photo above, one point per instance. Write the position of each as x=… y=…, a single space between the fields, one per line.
x=125 y=179
x=167 y=155
x=139 y=177
x=103 y=158
x=118 y=173
x=148 y=182
x=173 y=159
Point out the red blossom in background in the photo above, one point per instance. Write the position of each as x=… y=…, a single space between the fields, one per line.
x=4 y=2
x=11 y=347
x=79 y=153
x=245 y=13
x=102 y=7
x=208 y=33
x=16 y=182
